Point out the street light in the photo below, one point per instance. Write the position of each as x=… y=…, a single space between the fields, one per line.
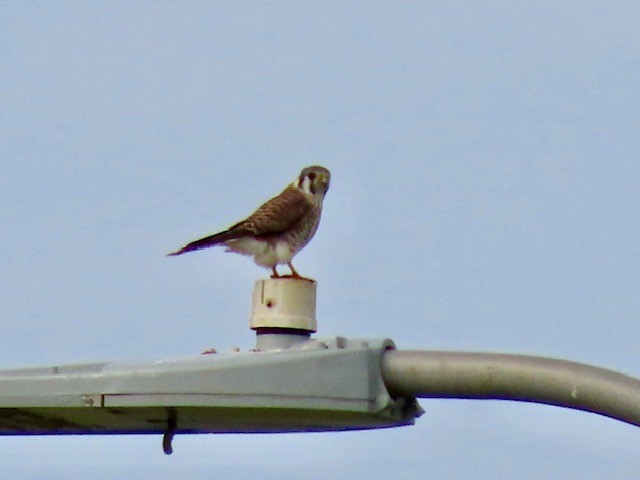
x=291 y=382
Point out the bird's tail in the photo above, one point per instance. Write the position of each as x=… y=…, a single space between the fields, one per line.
x=206 y=242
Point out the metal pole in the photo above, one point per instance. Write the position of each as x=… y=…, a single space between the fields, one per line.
x=431 y=374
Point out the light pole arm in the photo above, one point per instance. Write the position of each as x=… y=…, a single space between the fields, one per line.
x=433 y=374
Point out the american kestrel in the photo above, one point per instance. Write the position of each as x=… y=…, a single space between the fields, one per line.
x=280 y=228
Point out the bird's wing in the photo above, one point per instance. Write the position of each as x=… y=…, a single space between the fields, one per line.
x=275 y=216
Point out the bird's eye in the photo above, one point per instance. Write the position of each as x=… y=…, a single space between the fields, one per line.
x=312 y=176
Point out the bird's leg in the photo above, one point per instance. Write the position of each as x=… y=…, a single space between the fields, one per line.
x=294 y=274
x=275 y=272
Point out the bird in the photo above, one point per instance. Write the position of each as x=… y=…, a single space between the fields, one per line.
x=279 y=228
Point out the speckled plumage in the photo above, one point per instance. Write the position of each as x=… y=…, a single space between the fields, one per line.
x=279 y=228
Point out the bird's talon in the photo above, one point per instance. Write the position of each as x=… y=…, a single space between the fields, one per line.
x=297 y=277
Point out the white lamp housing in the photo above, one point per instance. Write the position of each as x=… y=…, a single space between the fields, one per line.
x=284 y=303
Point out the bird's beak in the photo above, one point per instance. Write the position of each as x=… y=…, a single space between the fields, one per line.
x=324 y=180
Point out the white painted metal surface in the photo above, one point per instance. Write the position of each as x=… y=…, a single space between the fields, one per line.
x=284 y=303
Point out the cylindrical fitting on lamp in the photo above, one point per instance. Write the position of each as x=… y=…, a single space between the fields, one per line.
x=284 y=303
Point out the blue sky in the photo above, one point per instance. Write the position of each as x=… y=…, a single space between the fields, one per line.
x=485 y=192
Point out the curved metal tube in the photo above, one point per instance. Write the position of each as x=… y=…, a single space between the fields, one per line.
x=432 y=374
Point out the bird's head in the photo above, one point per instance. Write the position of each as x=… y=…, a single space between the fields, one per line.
x=314 y=181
